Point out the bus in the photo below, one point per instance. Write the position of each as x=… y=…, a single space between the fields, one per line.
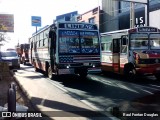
x=131 y=52
x=22 y=51
x=66 y=48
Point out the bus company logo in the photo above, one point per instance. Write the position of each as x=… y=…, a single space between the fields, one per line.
x=79 y=26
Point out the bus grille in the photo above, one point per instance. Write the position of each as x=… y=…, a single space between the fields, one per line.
x=149 y=61
x=78 y=59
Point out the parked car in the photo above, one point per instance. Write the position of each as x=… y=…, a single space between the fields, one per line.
x=11 y=57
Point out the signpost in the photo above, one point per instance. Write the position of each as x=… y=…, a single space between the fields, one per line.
x=36 y=21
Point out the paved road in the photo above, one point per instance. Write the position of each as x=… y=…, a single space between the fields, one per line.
x=105 y=91
x=102 y=91
x=54 y=100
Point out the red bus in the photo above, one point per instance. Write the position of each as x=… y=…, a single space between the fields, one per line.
x=132 y=52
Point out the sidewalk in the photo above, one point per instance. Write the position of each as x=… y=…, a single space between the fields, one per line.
x=54 y=102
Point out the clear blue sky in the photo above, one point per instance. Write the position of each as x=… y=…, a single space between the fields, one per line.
x=47 y=9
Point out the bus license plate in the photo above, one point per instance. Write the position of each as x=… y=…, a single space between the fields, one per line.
x=85 y=64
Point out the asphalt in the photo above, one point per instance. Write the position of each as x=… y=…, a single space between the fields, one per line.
x=54 y=101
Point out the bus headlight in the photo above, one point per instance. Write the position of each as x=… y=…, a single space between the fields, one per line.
x=67 y=66
x=95 y=65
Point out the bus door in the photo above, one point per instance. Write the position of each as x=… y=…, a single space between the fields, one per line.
x=52 y=47
x=116 y=55
x=31 y=50
x=123 y=52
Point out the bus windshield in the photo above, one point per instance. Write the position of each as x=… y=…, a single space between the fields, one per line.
x=74 y=41
x=155 y=40
x=139 y=41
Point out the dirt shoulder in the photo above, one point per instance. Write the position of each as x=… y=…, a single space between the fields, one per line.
x=6 y=78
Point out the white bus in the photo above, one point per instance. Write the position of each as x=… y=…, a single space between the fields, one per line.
x=132 y=52
x=66 y=48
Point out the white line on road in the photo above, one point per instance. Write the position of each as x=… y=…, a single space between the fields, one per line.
x=147 y=91
x=55 y=84
x=155 y=85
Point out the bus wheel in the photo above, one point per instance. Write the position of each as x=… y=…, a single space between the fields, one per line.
x=157 y=76
x=130 y=72
x=24 y=63
x=56 y=71
x=83 y=74
x=35 y=68
x=50 y=73
x=46 y=70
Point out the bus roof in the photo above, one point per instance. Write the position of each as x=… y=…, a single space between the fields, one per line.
x=137 y=29
x=75 y=25
x=117 y=31
x=41 y=29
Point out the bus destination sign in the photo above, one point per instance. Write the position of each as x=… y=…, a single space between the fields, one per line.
x=147 y=29
x=77 y=26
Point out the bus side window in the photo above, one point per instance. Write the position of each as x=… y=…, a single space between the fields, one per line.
x=106 y=46
x=106 y=43
x=116 y=45
x=124 y=42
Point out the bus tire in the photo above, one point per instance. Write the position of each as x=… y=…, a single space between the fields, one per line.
x=24 y=63
x=130 y=72
x=50 y=73
x=83 y=74
x=35 y=68
x=157 y=76
x=46 y=69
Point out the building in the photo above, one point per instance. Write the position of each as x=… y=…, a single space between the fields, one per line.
x=110 y=15
x=67 y=17
x=116 y=14
x=91 y=16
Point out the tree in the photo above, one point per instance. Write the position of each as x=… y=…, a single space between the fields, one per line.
x=3 y=39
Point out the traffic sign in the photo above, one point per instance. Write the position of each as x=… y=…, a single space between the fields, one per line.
x=36 y=21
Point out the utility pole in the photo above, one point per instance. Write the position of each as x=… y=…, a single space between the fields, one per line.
x=146 y=2
x=147 y=13
x=132 y=15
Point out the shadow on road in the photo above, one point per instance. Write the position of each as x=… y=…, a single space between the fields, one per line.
x=141 y=79
x=104 y=92
x=60 y=109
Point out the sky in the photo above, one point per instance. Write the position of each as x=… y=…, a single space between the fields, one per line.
x=47 y=9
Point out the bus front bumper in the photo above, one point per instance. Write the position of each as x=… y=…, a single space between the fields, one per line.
x=94 y=70
x=72 y=70
x=148 y=70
